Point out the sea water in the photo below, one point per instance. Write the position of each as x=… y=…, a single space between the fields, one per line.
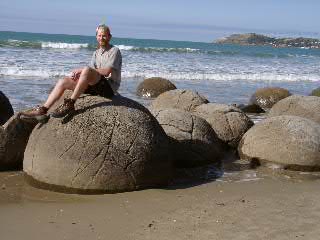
x=31 y=63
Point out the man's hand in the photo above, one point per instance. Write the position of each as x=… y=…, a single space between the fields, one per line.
x=75 y=74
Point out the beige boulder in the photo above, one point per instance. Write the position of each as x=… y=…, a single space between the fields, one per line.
x=229 y=122
x=303 y=106
x=289 y=141
x=153 y=87
x=105 y=146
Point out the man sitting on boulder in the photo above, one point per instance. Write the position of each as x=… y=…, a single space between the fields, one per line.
x=104 y=70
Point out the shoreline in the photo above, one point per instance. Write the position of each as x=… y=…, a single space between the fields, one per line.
x=242 y=204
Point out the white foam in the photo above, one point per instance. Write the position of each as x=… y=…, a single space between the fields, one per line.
x=64 y=45
x=124 y=47
x=255 y=77
x=43 y=73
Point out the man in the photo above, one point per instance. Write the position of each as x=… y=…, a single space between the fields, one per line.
x=105 y=66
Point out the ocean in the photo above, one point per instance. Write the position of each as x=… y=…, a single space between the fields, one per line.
x=31 y=63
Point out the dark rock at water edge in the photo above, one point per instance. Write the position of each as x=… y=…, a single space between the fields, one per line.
x=153 y=87
x=6 y=110
x=265 y=98
x=105 y=146
x=13 y=140
x=316 y=92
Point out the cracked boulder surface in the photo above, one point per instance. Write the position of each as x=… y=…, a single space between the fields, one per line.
x=186 y=100
x=229 y=122
x=303 y=106
x=6 y=110
x=290 y=142
x=267 y=97
x=105 y=146
x=153 y=87
x=13 y=141
x=193 y=141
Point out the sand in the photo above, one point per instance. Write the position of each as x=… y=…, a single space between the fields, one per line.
x=243 y=204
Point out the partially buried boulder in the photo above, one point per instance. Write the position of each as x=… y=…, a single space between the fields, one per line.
x=316 y=92
x=303 y=106
x=193 y=141
x=229 y=122
x=179 y=99
x=267 y=97
x=105 y=146
x=13 y=141
x=289 y=141
x=6 y=110
x=153 y=87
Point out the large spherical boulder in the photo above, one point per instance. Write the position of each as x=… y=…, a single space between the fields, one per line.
x=6 y=110
x=267 y=97
x=193 y=141
x=153 y=87
x=179 y=99
x=290 y=141
x=303 y=106
x=105 y=146
x=229 y=122
x=316 y=92
x=13 y=140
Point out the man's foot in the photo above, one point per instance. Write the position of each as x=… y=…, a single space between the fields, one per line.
x=39 y=113
x=64 y=109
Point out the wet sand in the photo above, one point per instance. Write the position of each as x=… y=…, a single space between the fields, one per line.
x=242 y=204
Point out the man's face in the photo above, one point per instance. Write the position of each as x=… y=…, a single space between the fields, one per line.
x=103 y=37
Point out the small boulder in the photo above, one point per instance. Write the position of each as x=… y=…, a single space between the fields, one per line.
x=303 y=106
x=6 y=110
x=186 y=100
x=13 y=141
x=250 y=108
x=229 y=122
x=289 y=141
x=267 y=97
x=316 y=92
x=193 y=141
x=153 y=87
x=105 y=146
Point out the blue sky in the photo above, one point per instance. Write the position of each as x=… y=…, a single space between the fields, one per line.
x=201 y=20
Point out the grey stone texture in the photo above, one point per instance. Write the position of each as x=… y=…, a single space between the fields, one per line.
x=179 y=99
x=193 y=141
x=290 y=141
x=229 y=122
x=105 y=146
x=303 y=106
x=13 y=140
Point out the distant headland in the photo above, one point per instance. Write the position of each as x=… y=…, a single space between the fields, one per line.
x=262 y=40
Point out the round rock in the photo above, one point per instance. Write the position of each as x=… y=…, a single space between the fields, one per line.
x=303 y=106
x=6 y=110
x=289 y=141
x=186 y=100
x=153 y=87
x=105 y=146
x=193 y=141
x=229 y=122
x=316 y=92
x=13 y=140
x=267 y=97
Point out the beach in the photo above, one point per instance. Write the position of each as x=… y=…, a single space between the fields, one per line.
x=234 y=202
x=268 y=206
